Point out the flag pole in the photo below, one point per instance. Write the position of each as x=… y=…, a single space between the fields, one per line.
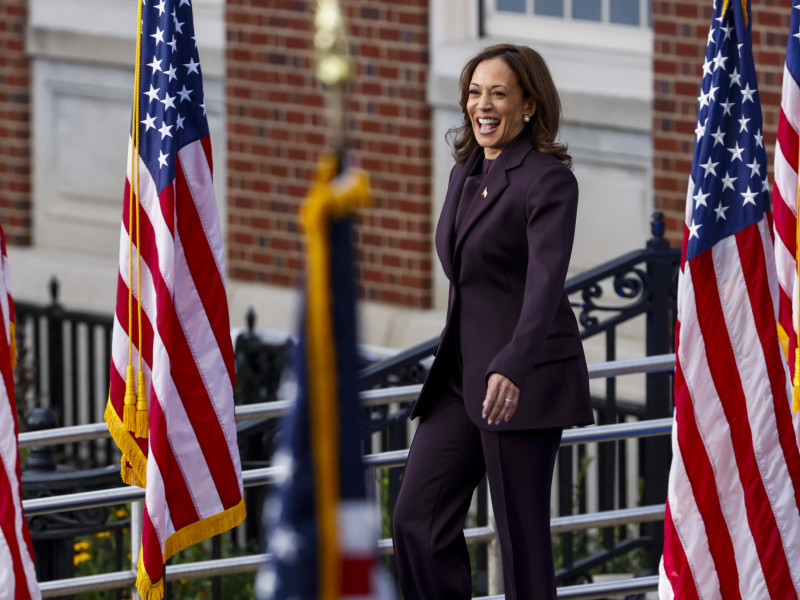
x=137 y=512
x=333 y=70
x=333 y=67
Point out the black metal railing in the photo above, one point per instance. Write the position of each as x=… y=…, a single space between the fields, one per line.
x=640 y=284
x=63 y=359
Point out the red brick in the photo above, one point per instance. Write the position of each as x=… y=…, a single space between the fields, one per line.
x=15 y=154
x=282 y=130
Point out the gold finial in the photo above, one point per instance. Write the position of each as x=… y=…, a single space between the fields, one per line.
x=333 y=64
x=330 y=41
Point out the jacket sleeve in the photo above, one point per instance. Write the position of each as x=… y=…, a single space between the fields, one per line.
x=551 y=206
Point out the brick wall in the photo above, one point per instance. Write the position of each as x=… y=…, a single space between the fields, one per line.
x=277 y=128
x=680 y=31
x=15 y=128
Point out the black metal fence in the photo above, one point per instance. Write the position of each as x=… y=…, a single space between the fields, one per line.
x=638 y=285
x=62 y=379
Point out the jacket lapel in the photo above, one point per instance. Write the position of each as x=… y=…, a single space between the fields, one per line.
x=494 y=185
x=496 y=181
x=445 y=229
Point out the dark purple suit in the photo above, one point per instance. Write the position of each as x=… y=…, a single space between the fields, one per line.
x=507 y=313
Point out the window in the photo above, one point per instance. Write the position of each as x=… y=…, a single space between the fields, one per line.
x=636 y=13
x=609 y=24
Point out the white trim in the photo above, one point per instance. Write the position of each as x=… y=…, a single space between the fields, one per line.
x=572 y=33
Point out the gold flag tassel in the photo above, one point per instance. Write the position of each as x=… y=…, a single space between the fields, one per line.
x=796 y=382
x=142 y=419
x=131 y=418
x=796 y=373
x=142 y=414
x=129 y=412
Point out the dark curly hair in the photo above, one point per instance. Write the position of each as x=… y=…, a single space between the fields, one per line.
x=536 y=82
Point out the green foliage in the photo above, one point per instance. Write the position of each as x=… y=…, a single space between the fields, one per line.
x=382 y=481
x=97 y=553
x=237 y=586
x=586 y=542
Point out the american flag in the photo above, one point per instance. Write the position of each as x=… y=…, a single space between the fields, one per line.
x=785 y=195
x=172 y=260
x=732 y=528
x=17 y=573
x=319 y=528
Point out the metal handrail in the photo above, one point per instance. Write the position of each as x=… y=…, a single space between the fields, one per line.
x=570 y=437
x=381 y=397
x=264 y=475
x=246 y=564
x=109 y=497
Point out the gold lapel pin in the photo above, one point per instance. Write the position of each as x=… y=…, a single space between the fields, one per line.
x=485 y=192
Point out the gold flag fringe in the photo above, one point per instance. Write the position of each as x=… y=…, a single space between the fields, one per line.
x=180 y=540
x=136 y=471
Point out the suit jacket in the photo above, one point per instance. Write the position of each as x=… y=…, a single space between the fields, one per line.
x=508 y=311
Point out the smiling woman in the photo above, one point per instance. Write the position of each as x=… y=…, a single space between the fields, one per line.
x=509 y=372
x=496 y=106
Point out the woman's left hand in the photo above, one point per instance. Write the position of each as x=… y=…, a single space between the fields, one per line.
x=502 y=398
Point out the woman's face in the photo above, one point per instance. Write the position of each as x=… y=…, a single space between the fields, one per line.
x=495 y=105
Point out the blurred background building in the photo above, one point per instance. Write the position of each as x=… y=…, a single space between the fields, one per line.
x=628 y=72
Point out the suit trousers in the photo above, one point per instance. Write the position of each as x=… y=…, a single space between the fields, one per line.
x=447 y=460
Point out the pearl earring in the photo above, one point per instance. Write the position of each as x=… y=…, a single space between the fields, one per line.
x=526 y=118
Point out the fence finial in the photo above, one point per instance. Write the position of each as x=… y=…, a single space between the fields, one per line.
x=657 y=225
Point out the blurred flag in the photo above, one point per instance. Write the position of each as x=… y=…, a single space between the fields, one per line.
x=785 y=195
x=170 y=405
x=732 y=527
x=319 y=527
x=17 y=572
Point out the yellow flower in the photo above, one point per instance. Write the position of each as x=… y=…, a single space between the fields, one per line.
x=102 y=534
x=81 y=546
x=81 y=557
x=121 y=513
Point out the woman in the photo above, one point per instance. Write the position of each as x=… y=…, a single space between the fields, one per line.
x=509 y=372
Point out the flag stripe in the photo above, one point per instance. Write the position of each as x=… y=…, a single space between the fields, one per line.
x=184 y=431
x=676 y=569
x=694 y=475
x=198 y=255
x=10 y=504
x=764 y=376
x=17 y=572
x=783 y=444
x=728 y=382
x=785 y=196
x=694 y=380
x=8 y=520
x=187 y=381
x=790 y=94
